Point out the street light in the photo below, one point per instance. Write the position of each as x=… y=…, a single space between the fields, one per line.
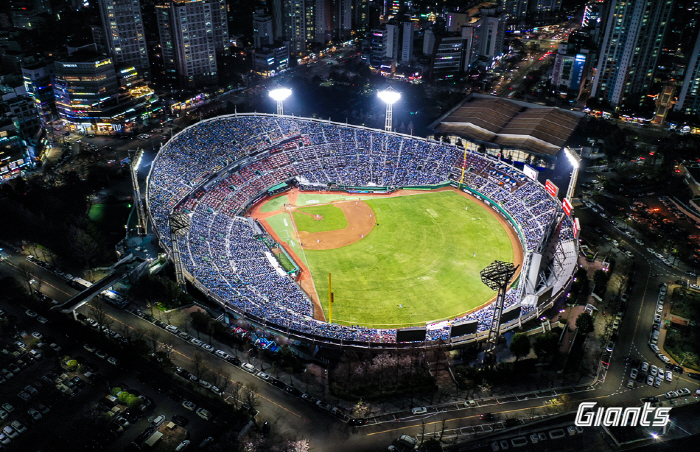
x=389 y=96
x=575 y=161
x=280 y=94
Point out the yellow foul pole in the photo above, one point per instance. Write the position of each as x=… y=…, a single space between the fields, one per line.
x=464 y=165
x=330 y=300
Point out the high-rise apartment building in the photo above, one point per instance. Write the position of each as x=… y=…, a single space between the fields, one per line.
x=360 y=19
x=343 y=19
x=191 y=33
x=689 y=98
x=633 y=37
x=407 y=36
x=323 y=21
x=294 y=21
x=123 y=33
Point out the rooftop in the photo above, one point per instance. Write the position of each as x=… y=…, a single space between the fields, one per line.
x=511 y=124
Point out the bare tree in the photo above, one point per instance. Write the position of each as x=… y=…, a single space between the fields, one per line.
x=98 y=313
x=84 y=246
x=198 y=364
x=126 y=331
x=168 y=345
x=152 y=340
x=38 y=282
x=27 y=276
x=236 y=389
x=251 y=396
x=138 y=334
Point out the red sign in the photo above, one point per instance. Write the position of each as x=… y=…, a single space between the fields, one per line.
x=576 y=227
x=551 y=188
x=567 y=206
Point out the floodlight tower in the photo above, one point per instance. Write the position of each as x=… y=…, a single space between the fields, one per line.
x=575 y=161
x=389 y=96
x=496 y=276
x=180 y=223
x=134 y=163
x=280 y=94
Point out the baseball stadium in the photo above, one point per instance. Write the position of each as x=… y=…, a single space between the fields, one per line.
x=353 y=236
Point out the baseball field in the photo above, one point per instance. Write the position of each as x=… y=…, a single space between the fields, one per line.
x=395 y=261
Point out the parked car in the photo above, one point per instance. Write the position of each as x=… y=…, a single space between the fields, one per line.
x=204 y=414
x=419 y=410
x=189 y=405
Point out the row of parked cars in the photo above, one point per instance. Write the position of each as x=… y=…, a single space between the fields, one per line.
x=535 y=438
x=235 y=361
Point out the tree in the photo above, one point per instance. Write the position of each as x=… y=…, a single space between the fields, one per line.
x=98 y=313
x=27 y=275
x=520 y=346
x=251 y=396
x=84 y=246
x=546 y=344
x=153 y=339
x=584 y=323
x=198 y=364
x=600 y=278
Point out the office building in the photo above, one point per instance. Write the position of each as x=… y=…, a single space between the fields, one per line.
x=689 y=97
x=270 y=60
x=378 y=44
x=124 y=35
x=447 y=60
x=89 y=97
x=491 y=34
x=38 y=81
x=191 y=34
x=262 y=30
x=633 y=36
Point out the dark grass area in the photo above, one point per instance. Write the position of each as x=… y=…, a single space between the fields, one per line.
x=109 y=219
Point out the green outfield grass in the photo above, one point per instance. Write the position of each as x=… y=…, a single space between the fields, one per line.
x=332 y=218
x=421 y=256
x=275 y=204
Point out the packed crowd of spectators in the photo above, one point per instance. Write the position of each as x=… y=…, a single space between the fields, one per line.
x=213 y=169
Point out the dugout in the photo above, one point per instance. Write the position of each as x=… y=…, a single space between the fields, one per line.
x=416 y=334
x=464 y=328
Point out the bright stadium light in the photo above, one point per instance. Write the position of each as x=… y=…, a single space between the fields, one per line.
x=280 y=94
x=575 y=161
x=390 y=97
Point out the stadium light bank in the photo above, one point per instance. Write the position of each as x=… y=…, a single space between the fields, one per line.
x=575 y=161
x=390 y=97
x=280 y=94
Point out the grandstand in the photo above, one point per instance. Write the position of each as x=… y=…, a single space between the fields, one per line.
x=214 y=170
x=504 y=124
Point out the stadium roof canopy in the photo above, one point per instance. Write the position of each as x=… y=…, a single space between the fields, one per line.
x=510 y=124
